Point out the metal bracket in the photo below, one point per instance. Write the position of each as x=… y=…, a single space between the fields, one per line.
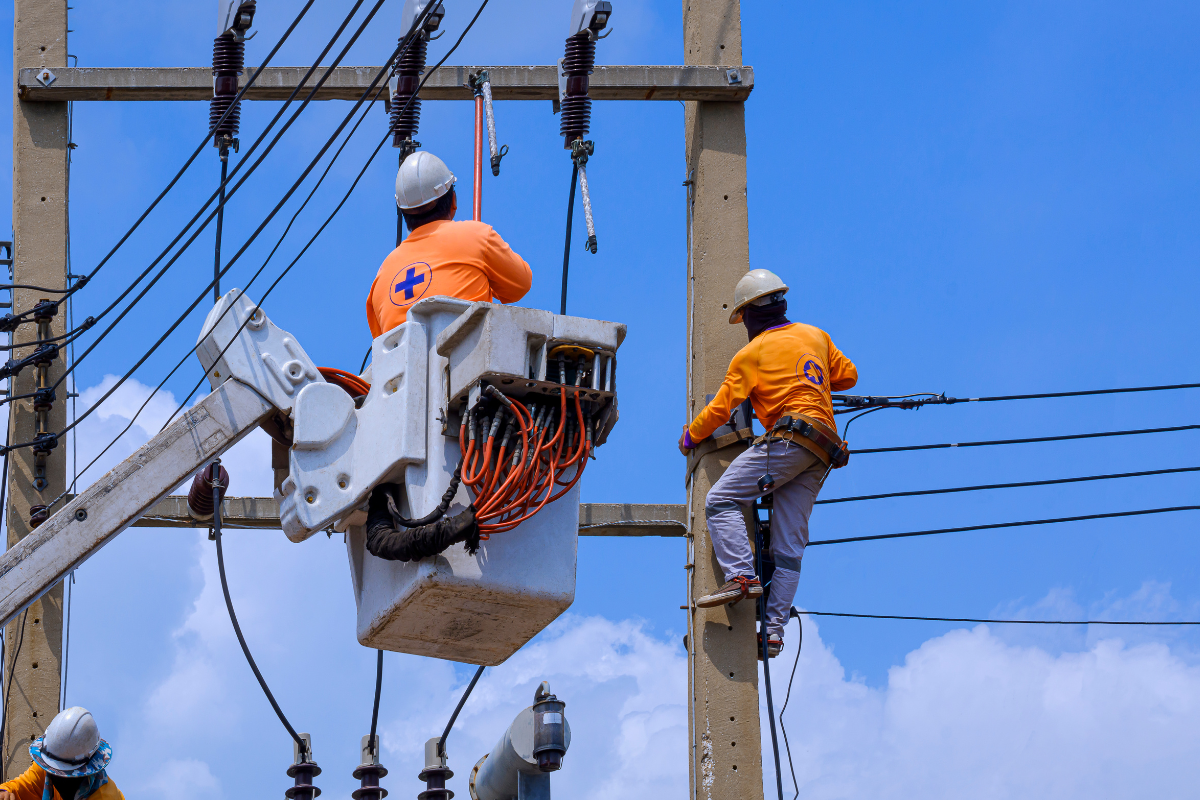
x=45 y=77
x=733 y=76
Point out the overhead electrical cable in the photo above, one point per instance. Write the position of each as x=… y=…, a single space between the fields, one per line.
x=462 y=702
x=1002 y=621
x=83 y=280
x=850 y=402
x=232 y=191
x=416 y=26
x=329 y=219
x=1032 y=440
x=1018 y=485
x=218 y=491
x=995 y=525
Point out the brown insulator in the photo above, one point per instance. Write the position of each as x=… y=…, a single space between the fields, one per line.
x=303 y=788
x=200 y=496
x=38 y=515
x=368 y=776
x=406 y=120
x=229 y=61
x=576 y=106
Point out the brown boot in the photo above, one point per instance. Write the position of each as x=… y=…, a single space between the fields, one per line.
x=734 y=590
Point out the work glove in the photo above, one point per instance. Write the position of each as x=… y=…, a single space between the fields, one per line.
x=685 y=442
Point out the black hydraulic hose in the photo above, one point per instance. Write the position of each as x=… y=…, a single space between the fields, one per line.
x=787 y=698
x=994 y=525
x=462 y=702
x=567 y=247
x=1033 y=440
x=1016 y=485
x=217 y=492
x=195 y=154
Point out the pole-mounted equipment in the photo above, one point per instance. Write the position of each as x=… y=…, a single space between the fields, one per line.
x=405 y=105
x=369 y=772
x=520 y=764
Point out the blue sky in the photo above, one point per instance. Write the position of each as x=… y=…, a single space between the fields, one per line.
x=979 y=199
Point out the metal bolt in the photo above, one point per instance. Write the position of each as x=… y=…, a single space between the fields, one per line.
x=81 y=514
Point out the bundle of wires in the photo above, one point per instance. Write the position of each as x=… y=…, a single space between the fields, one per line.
x=514 y=475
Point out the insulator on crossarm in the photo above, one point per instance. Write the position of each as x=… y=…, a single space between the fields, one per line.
x=576 y=106
x=229 y=61
x=200 y=496
x=406 y=115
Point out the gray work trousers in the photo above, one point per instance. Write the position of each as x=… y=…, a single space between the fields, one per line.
x=798 y=476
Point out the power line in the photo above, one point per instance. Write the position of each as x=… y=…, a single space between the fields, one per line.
x=1019 y=485
x=997 y=621
x=995 y=525
x=851 y=402
x=241 y=182
x=1033 y=440
x=246 y=245
x=462 y=702
x=199 y=149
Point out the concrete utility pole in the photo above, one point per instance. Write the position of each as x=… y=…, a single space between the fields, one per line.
x=722 y=662
x=40 y=130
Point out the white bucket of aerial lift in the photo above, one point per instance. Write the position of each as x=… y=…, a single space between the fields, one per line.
x=474 y=608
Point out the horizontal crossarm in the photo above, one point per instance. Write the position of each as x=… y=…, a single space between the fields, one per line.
x=700 y=83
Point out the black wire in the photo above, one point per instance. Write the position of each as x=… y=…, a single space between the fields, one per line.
x=199 y=149
x=1033 y=440
x=458 y=708
x=567 y=247
x=1046 y=395
x=846 y=428
x=241 y=182
x=378 y=692
x=788 y=697
x=220 y=226
x=11 y=286
x=941 y=399
x=997 y=621
x=764 y=649
x=366 y=355
x=233 y=615
x=1019 y=485
x=994 y=525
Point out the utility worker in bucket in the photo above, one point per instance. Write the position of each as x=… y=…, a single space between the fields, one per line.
x=467 y=259
x=788 y=371
x=69 y=763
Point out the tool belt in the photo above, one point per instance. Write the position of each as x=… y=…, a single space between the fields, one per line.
x=812 y=436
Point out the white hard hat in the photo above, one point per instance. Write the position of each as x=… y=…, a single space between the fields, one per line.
x=421 y=179
x=71 y=746
x=754 y=285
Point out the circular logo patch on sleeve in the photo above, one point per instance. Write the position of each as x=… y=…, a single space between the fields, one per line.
x=810 y=368
x=410 y=283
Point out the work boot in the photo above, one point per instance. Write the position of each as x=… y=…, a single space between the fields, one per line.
x=734 y=590
x=774 y=645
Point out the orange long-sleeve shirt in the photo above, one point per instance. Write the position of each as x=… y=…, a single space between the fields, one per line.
x=792 y=370
x=31 y=785
x=467 y=260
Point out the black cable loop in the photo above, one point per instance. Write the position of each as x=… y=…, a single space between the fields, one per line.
x=378 y=692
x=241 y=182
x=203 y=144
x=995 y=525
x=787 y=746
x=233 y=615
x=1016 y=485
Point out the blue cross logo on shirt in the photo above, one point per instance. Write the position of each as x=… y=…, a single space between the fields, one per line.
x=410 y=283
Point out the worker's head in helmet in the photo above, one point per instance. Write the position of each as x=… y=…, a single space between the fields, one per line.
x=758 y=302
x=425 y=190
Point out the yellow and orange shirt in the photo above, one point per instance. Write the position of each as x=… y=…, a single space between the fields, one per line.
x=467 y=260
x=792 y=369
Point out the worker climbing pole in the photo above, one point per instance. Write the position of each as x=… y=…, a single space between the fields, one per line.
x=224 y=112
x=588 y=18
x=405 y=105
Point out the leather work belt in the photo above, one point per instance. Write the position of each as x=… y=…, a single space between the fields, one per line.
x=813 y=437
